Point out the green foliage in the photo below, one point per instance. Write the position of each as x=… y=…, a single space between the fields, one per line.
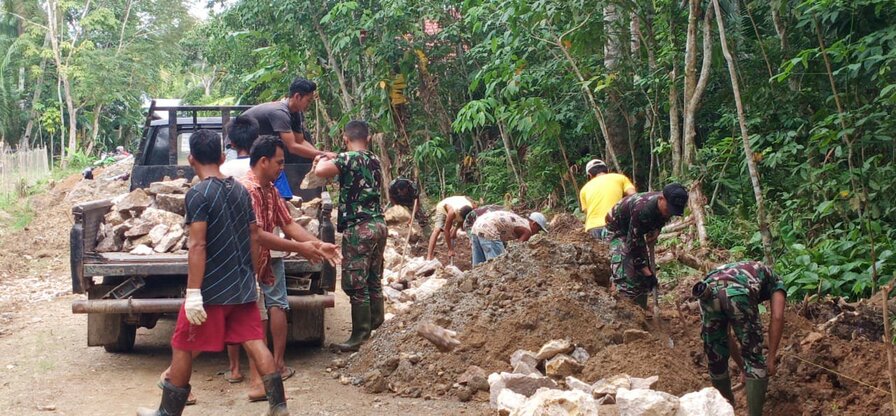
x=505 y=100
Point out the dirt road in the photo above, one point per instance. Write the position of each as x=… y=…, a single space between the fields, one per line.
x=45 y=364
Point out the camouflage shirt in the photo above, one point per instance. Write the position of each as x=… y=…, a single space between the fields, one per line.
x=750 y=278
x=631 y=219
x=360 y=181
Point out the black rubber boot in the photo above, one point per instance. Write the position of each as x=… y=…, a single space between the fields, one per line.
x=273 y=388
x=377 y=312
x=173 y=401
x=360 y=328
x=756 y=388
x=641 y=300
x=723 y=385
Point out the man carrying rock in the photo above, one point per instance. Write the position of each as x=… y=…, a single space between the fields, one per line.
x=634 y=224
x=469 y=220
x=363 y=229
x=220 y=296
x=495 y=228
x=729 y=297
x=449 y=215
x=603 y=190
x=267 y=158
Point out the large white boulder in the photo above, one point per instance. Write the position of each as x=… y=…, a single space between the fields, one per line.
x=643 y=402
x=525 y=384
x=706 y=402
x=554 y=347
x=550 y=402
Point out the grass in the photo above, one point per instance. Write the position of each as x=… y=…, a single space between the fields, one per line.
x=17 y=204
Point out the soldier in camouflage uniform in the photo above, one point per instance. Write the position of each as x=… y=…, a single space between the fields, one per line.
x=363 y=230
x=730 y=296
x=634 y=223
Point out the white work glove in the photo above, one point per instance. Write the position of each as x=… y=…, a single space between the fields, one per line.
x=193 y=307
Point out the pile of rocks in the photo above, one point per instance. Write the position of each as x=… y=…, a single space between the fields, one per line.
x=544 y=383
x=406 y=280
x=151 y=220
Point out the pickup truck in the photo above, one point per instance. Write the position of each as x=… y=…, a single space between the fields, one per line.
x=125 y=291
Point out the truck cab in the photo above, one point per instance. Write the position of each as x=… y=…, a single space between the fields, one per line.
x=126 y=291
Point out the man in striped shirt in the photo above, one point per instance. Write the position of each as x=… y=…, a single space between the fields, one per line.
x=220 y=296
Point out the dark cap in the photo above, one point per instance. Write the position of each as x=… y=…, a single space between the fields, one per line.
x=676 y=198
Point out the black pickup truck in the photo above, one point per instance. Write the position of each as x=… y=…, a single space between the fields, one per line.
x=125 y=291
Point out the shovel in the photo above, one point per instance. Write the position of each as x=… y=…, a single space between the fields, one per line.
x=656 y=294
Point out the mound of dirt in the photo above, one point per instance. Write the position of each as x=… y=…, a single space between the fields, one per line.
x=546 y=289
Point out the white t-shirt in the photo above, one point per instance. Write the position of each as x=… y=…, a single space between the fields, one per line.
x=498 y=225
x=238 y=168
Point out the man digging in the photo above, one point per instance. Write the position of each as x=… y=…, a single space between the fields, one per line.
x=495 y=228
x=635 y=223
x=363 y=229
x=220 y=296
x=449 y=215
x=729 y=297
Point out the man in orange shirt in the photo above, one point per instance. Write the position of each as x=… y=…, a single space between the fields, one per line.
x=598 y=196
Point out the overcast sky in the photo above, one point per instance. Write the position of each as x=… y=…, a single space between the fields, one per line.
x=199 y=8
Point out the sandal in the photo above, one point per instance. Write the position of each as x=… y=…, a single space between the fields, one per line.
x=287 y=372
x=234 y=380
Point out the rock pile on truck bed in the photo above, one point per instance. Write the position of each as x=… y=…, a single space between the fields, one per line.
x=151 y=220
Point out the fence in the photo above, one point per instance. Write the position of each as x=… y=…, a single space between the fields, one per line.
x=23 y=166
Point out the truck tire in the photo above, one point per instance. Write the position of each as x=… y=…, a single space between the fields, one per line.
x=307 y=327
x=127 y=334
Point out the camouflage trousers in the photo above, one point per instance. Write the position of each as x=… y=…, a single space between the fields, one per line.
x=629 y=281
x=742 y=314
x=363 y=245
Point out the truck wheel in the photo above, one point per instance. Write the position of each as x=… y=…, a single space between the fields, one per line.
x=127 y=334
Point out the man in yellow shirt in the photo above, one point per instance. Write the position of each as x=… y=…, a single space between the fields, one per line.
x=598 y=196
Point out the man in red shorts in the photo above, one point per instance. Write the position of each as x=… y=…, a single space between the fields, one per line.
x=220 y=297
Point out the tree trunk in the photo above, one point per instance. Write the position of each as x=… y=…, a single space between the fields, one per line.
x=508 y=149
x=598 y=114
x=347 y=102
x=94 y=134
x=748 y=151
x=614 y=38
x=674 y=120
x=694 y=88
x=385 y=160
x=38 y=89
x=697 y=202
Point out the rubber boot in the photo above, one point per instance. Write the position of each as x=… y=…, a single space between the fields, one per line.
x=641 y=300
x=377 y=312
x=723 y=385
x=174 y=399
x=360 y=328
x=273 y=388
x=756 y=388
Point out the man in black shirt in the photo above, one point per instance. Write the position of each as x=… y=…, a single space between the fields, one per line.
x=285 y=119
x=220 y=297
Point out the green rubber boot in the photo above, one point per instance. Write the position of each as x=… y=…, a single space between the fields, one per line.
x=360 y=328
x=756 y=388
x=377 y=312
x=723 y=385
